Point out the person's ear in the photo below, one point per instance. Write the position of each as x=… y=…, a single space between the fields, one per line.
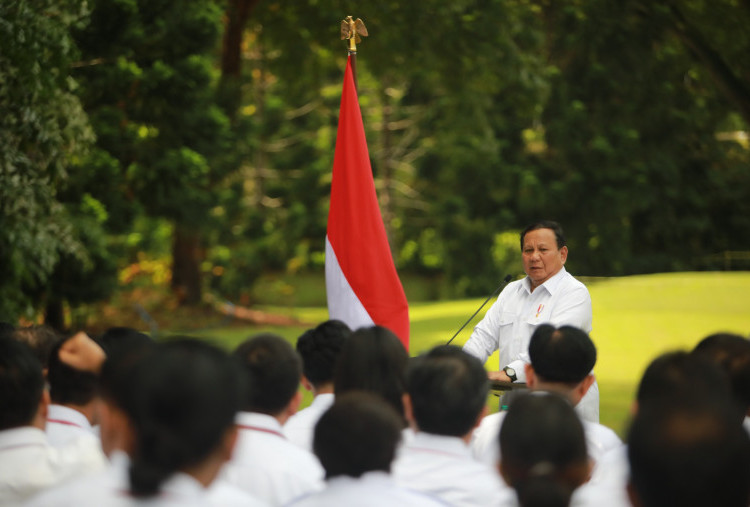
x=530 y=375
x=564 y=254
x=409 y=410
x=306 y=383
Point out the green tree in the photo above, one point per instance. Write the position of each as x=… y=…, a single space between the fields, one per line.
x=43 y=133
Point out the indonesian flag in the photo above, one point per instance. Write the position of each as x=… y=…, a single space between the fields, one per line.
x=362 y=285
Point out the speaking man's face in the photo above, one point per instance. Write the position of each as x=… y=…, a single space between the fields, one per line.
x=541 y=257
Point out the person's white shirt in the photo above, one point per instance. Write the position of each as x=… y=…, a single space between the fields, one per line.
x=267 y=465
x=372 y=489
x=300 y=428
x=442 y=466
x=608 y=483
x=512 y=319
x=110 y=487
x=65 y=425
x=29 y=465
x=485 y=444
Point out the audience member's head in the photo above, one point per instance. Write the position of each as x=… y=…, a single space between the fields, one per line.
x=41 y=338
x=117 y=393
x=373 y=359
x=731 y=352
x=115 y=339
x=681 y=374
x=358 y=434
x=23 y=399
x=69 y=386
x=273 y=369
x=448 y=391
x=319 y=348
x=688 y=451
x=561 y=360
x=188 y=395
x=543 y=450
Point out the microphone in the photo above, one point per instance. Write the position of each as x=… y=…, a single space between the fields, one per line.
x=506 y=281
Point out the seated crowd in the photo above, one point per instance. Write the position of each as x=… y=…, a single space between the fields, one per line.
x=122 y=420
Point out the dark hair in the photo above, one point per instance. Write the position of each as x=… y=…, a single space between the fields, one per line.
x=273 y=370
x=6 y=329
x=373 y=359
x=546 y=224
x=68 y=385
x=42 y=339
x=21 y=384
x=689 y=452
x=731 y=352
x=565 y=354
x=188 y=395
x=117 y=339
x=448 y=390
x=543 y=449
x=319 y=348
x=125 y=350
x=358 y=434
x=680 y=374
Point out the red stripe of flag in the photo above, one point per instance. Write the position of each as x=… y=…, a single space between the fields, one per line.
x=355 y=227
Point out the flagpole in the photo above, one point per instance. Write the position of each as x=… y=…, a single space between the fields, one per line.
x=352 y=31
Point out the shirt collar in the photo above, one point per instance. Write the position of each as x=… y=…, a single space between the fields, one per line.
x=66 y=415
x=22 y=436
x=440 y=444
x=258 y=420
x=550 y=285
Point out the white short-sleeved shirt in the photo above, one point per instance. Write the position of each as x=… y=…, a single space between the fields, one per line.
x=512 y=319
x=29 y=465
x=373 y=489
x=299 y=429
x=485 y=444
x=110 y=487
x=267 y=465
x=65 y=425
x=608 y=484
x=443 y=467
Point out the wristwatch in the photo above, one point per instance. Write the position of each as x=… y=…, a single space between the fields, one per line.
x=511 y=373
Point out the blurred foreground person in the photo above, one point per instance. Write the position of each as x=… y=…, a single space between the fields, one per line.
x=356 y=442
x=265 y=463
x=319 y=348
x=543 y=450
x=167 y=427
x=28 y=464
x=670 y=376
x=447 y=390
x=561 y=361
x=731 y=353
x=75 y=403
x=688 y=452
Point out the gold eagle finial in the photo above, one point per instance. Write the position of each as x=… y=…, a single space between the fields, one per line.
x=353 y=31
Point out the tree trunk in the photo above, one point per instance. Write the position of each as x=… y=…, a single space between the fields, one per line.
x=186 y=265
x=54 y=314
x=237 y=14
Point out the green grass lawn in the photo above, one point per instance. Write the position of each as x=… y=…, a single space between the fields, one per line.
x=635 y=319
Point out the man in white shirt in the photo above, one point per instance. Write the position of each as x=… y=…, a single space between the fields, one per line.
x=356 y=441
x=447 y=390
x=561 y=361
x=319 y=348
x=548 y=294
x=28 y=464
x=265 y=463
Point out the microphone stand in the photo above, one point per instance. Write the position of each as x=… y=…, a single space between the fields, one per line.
x=506 y=281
